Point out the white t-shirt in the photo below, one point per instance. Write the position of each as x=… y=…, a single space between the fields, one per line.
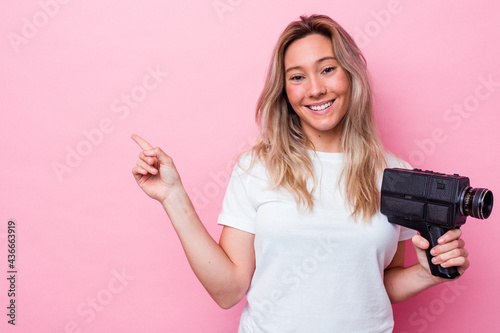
x=316 y=271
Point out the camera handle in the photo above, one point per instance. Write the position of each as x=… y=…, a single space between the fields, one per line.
x=432 y=234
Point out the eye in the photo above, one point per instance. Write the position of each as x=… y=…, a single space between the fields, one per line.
x=329 y=69
x=296 y=78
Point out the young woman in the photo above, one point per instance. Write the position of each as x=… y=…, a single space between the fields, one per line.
x=303 y=237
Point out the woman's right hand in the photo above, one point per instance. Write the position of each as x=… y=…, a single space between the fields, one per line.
x=225 y=270
x=155 y=172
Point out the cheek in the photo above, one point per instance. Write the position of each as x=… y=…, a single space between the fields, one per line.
x=294 y=94
x=344 y=84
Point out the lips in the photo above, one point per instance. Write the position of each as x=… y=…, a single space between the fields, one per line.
x=317 y=107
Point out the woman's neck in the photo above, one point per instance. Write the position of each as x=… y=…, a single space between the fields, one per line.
x=326 y=142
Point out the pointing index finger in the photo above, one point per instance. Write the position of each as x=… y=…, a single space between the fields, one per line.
x=141 y=142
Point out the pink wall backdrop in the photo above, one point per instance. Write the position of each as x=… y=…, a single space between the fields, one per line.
x=94 y=254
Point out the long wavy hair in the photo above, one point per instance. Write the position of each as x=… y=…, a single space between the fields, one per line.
x=283 y=147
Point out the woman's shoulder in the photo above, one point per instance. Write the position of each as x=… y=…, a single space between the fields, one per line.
x=245 y=161
x=394 y=161
x=249 y=163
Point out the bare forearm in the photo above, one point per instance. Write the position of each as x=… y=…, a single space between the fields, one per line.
x=224 y=269
x=208 y=260
x=404 y=283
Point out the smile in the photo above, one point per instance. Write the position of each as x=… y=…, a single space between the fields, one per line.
x=320 y=107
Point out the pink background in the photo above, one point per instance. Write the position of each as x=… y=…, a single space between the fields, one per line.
x=66 y=69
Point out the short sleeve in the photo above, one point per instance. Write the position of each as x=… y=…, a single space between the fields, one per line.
x=238 y=210
x=394 y=161
x=406 y=233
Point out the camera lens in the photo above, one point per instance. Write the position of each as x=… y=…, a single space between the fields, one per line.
x=476 y=202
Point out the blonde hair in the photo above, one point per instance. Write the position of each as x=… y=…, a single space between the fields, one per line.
x=282 y=146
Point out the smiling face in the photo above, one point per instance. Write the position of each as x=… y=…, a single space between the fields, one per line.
x=317 y=89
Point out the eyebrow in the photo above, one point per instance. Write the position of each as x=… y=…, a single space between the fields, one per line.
x=320 y=60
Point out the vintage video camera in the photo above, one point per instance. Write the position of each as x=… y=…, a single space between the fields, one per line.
x=432 y=203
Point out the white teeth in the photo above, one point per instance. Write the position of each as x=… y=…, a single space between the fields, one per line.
x=320 y=107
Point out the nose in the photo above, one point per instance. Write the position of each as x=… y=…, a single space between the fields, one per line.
x=316 y=87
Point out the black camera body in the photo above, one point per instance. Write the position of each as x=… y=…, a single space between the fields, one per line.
x=432 y=203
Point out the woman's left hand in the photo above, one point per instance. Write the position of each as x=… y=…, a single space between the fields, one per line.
x=449 y=252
